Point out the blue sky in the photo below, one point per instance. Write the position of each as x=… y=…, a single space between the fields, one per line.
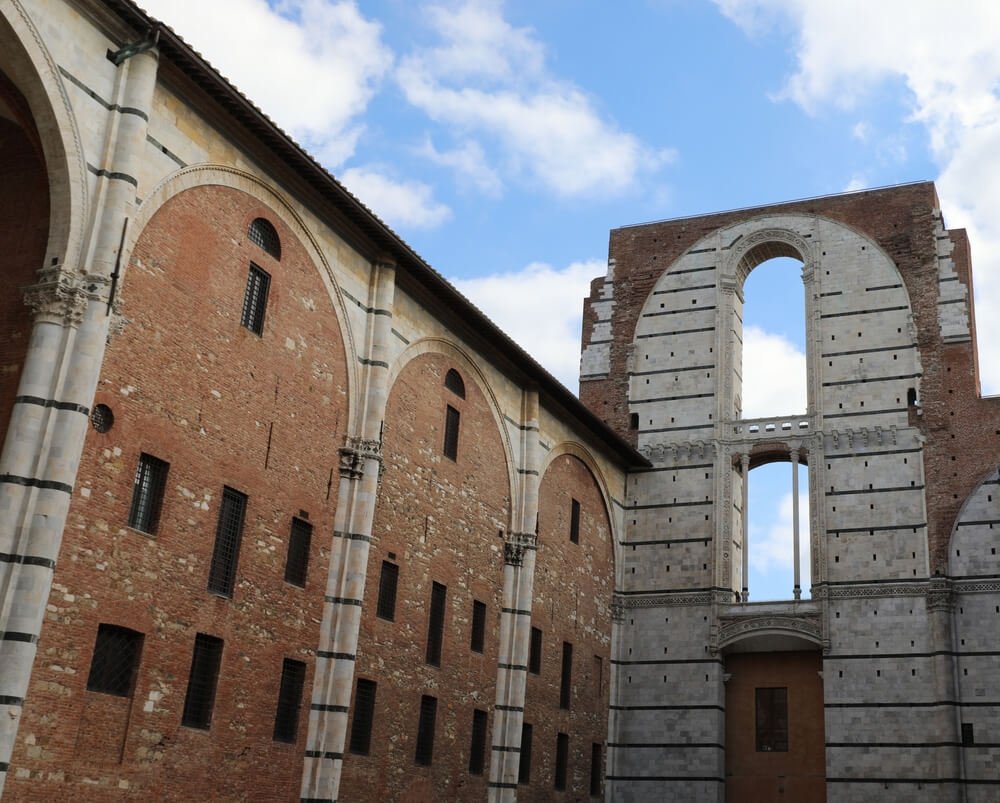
x=504 y=140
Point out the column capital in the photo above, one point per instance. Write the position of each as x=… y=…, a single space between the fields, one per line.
x=61 y=296
x=355 y=452
x=515 y=545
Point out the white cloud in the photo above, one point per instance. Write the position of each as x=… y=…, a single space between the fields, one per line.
x=771 y=541
x=861 y=131
x=949 y=60
x=311 y=65
x=774 y=375
x=541 y=308
x=469 y=162
x=488 y=79
x=400 y=203
x=857 y=182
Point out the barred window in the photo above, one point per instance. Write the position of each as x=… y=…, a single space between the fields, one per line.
x=264 y=235
x=452 y=422
x=255 y=299
x=435 y=624
x=200 y=698
x=562 y=760
x=117 y=651
x=297 y=561
x=574 y=522
x=595 y=769
x=524 y=766
x=535 y=652
x=477 y=744
x=147 y=493
x=453 y=381
x=286 y=716
x=425 y=731
x=364 y=716
x=772 y=720
x=566 y=682
x=478 y=626
x=228 y=534
x=386 y=608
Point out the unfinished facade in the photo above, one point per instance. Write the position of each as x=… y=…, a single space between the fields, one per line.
x=880 y=684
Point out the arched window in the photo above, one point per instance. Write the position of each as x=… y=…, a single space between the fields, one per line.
x=263 y=234
x=453 y=381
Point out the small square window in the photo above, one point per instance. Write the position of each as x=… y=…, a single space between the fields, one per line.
x=147 y=493
x=297 y=561
x=255 y=299
x=116 y=658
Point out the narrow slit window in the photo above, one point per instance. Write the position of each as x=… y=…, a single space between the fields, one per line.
x=147 y=493
x=262 y=234
x=364 y=716
x=297 y=561
x=477 y=743
x=562 y=760
x=566 y=680
x=595 y=769
x=202 y=680
x=478 y=626
x=286 y=716
x=387 y=582
x=255 y=299
x=772 y=720
x=535 y=652
x=228 y=534
x=524 y=766
x=574 y=522
x=117 y=651
x=435 y=624
x=425 y=731
x=452 y=422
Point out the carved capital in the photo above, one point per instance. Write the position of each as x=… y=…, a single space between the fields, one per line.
x=515 y=545
x=60 y=296
x=939 y=594
x=355 y=452
x=617 y=609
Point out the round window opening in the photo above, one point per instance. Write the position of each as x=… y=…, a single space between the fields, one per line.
x=101 y=418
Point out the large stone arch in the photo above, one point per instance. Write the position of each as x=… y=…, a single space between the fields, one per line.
x=440 y=345
x=29 y=65
x=232 y=178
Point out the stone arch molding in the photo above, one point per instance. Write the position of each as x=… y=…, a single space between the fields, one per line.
x=763 y=244
x=585 y=456
x=37 y=76
x=973 y=540
x=448 y=348
x=232 y=178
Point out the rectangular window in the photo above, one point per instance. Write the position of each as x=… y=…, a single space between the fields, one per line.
x=286 y=717
x=524 y=766
x=297 y=561
x=566 y=681
x=451 y=424
x=478 y=626
x=772 y=720
x=598 y=675
x=116 y=658
x=364 y=716
x=595 y=769
x=435 y=624
x=562 y=759
x=968 y=734
x=147 y=493
x=387 y=582
x=255 y=299
x=425 y=731
x=477 y=745
x=574 y=522
x=535 y=652
x=228 y=534
x=202 y=680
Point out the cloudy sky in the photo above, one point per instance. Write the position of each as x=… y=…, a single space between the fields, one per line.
x=504 y=140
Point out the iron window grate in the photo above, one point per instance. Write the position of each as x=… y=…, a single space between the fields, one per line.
x=117 y=651
x=364 y=716
x=264 y=235
x=147 y=493
x=435 y=624
x=228 y=534
x=286 y=716
x=478 y=626
x=255 y=299
x=297 y=562
x=387 y=583
x=425 y=731
x=562 y=760
x=202 y=680
x=452 y=421
x=477 y=744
